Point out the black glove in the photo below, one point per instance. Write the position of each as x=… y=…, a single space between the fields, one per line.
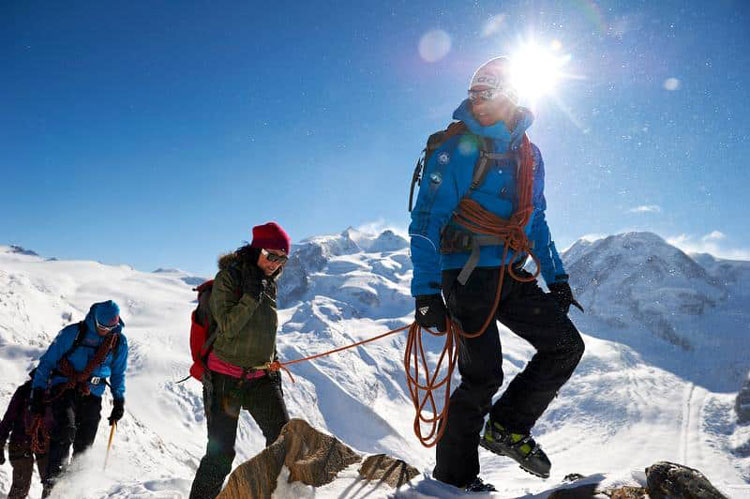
x=37 y=402
x=562 y=293
x=255 y=287
x=430 y=311
x=118 y=409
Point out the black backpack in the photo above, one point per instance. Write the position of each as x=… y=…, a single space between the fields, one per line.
x=437 y=139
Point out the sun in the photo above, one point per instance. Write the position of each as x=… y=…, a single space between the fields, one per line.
x=536 y=71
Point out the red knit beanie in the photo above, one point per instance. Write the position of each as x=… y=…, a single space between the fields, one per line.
x=271 y=236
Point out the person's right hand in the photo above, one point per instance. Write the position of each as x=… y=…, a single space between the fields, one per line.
x=430 y=311
x=255 y=287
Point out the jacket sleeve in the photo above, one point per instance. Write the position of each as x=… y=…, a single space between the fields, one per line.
x=438 y=197
x=230 y=309
x=52 y=356
x=544 y=248
x=14 y=411
x=119 y=366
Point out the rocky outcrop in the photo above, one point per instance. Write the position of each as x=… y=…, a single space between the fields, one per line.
x=666 y=480
x=312 y=458
x=386 y=469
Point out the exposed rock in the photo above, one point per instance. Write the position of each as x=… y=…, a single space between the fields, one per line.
x=587 y=491
x=626 y=493
x=666 y=480
x=573 y=477
x=20 y=250
x=591 y=491
x=313 y=458
x=394 y=472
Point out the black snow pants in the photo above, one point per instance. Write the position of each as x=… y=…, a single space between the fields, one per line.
x=223 y=397
x=22 y=460
x=76 y=421
x=534 y=316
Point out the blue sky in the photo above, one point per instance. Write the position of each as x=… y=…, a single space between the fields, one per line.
x=158 y=133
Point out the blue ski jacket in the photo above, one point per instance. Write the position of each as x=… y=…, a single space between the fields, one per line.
x=113 y=367
x=447 y=178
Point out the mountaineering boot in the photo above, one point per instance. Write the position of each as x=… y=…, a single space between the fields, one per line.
x=477 y=485
x=521 y=448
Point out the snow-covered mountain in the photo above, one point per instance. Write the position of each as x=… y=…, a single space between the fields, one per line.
x=665 y=335
x=635 y=286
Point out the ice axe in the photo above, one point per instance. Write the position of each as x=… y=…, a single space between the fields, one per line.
x=113 y=426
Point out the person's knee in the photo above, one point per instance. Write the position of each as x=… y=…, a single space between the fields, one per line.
x=570 y=352
x=218 y=448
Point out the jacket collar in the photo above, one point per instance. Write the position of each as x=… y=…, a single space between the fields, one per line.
x=499 y=131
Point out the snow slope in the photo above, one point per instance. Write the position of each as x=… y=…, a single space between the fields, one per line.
x=666 y=338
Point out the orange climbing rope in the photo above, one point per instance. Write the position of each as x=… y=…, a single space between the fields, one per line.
x=421 y=382
x=39 y=435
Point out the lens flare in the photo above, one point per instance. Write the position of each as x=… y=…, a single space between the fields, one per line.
x=434 y=45
x=536 y=71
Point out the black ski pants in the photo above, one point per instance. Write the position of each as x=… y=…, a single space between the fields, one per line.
x=22 y=460
x=76 y=421
x=223 y=397
x=534 y=316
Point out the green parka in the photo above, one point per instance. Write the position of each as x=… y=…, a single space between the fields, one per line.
x=246 y=327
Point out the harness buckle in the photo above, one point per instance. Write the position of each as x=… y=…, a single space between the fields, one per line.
x=95 y=380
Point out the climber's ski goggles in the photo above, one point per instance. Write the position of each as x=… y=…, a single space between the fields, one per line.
x=107 y=329
x=493 y=93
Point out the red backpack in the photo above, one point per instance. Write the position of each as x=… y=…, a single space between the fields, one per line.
x=202 y=331
x=203 y=327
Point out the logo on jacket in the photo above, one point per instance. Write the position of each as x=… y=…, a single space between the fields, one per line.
x=443 y=158
x=436 y=178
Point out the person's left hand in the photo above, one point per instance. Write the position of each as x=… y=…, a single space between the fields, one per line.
x=118 y=409
x=562 y=293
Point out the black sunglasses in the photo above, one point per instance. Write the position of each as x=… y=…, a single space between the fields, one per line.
x=273 y=257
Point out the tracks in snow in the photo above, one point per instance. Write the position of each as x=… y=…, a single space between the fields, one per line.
x=693 y=400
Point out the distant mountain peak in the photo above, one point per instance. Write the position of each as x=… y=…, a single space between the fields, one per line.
x=20 y=250
x=639 y=277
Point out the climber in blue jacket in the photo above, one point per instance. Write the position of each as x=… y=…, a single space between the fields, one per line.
x=456 y=273
x=80 y=362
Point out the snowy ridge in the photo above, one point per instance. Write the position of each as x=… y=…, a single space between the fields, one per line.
x=638 y=396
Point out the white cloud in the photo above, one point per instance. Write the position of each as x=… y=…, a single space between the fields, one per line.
x=714 y=236
x=376 y=227
x=714 y=243
x=646 y=208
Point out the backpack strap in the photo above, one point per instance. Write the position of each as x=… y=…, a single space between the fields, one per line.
x=434 y=141
x=77 y=341
x=486 y=154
